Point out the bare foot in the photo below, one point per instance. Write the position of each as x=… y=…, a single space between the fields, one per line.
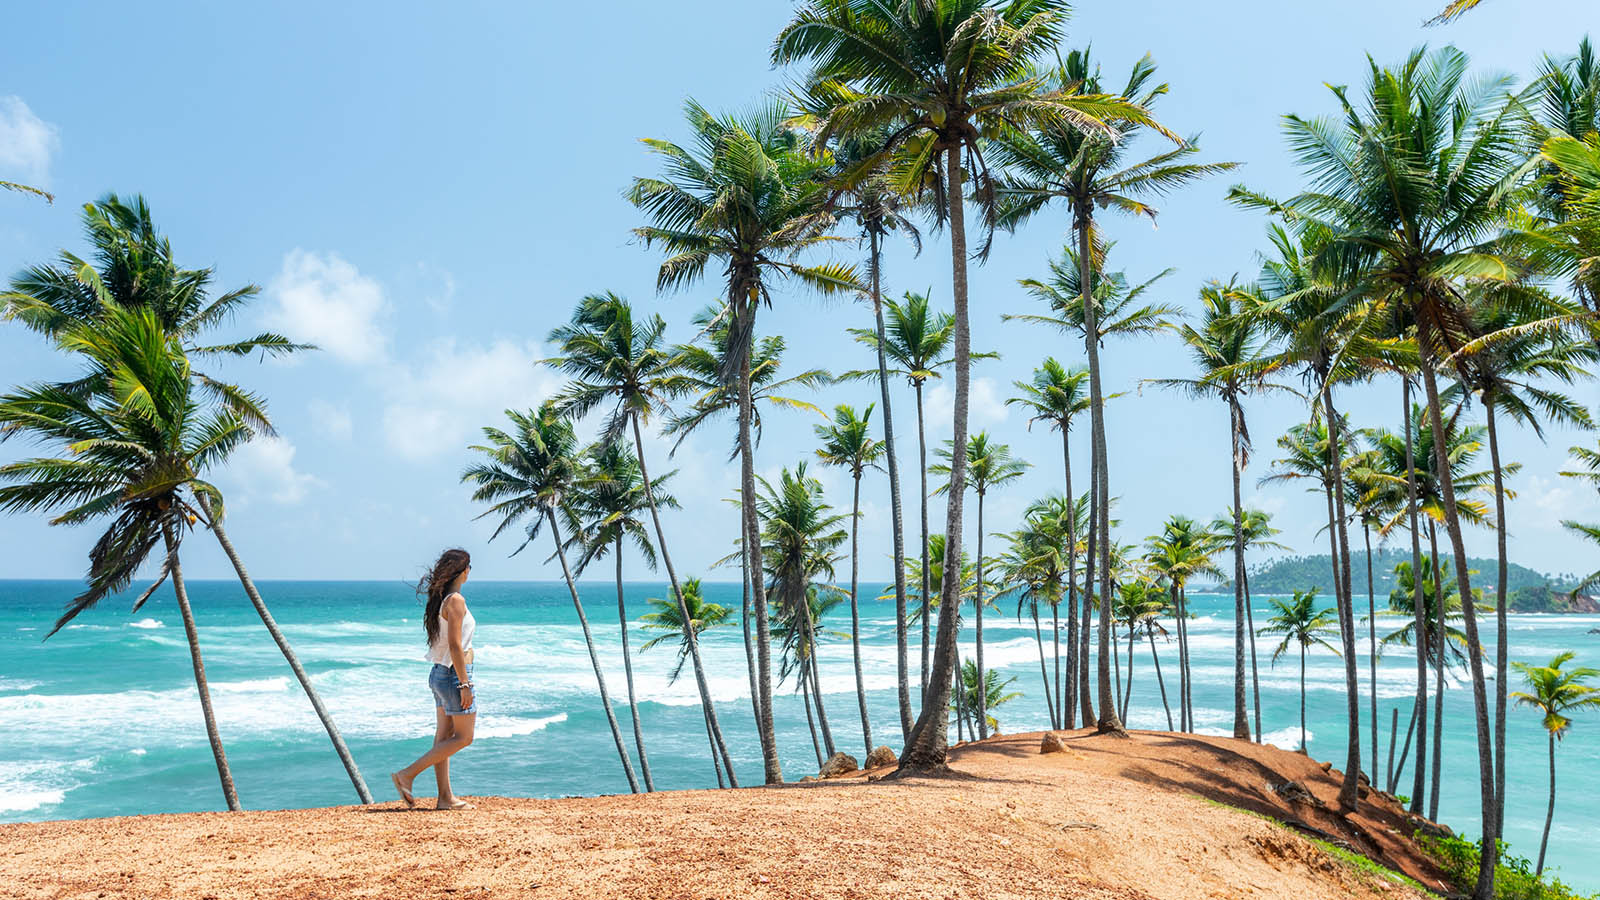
x=404 y=789
x=456 y=803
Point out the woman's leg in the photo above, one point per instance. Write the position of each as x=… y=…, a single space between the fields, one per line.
x=460 y=739
x=442 y=731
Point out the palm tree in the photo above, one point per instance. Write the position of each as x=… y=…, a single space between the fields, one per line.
x=667 y=619
x=991 y=697
x=848 y=443
x=796 y=640
x=1035 y=567
x=528 y=476
x=989 y=465
x=1257 y=533
x=1370 y=500
x=869 y=198
x=1230 y=351
x=939 y=75
x=745 y=193
x=607 y=504
x=614 y=359
x=966 y=589
x=1138 y=607
x=136 y=451
x=1086 y=171
x=915 y=343
x=799 y=543
x=1556 y=694
x=1181 y=551
x=134 y=268
x=1300 y=622
x=1056 y=395
x=1440 y=652
x=1590 y=461
x=1413 y=187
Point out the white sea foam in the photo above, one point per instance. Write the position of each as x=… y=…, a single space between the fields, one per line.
x=505 y=726
x=147 y=623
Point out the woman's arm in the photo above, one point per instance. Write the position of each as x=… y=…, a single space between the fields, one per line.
x=455 y=610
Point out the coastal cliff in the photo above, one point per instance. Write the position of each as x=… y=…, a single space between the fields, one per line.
x=1153 y=815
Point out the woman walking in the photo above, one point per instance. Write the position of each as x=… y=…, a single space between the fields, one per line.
x=449 y=625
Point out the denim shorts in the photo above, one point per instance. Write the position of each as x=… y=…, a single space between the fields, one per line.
x=442 y=680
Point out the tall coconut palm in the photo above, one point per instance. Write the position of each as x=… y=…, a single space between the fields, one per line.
x=848 y=443
x=1036 y=566
x=527 y=476
x=939 y=75
x=1556 y=693
x=800 y=538
x=1441 y=638
x=607 y=507
x=614 y=359
x=989 y=465
x=1057 y=395
x=1086 y=171
x=914 y=345
x=667 y=619
x=1180 y=552
x=1413 y=186
x=1230 y=350
x=747 y=194
x=867 y=197
x=136 y=452
x=1300 y=623
x=133 y=267
x=1258 y=534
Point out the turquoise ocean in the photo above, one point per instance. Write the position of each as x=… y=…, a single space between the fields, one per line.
x=102 y=719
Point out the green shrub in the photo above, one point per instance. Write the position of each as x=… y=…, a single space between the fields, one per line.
x=1513 y=877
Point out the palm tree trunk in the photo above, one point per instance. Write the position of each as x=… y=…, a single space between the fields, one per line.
x=716 y=763
x=855 y=612
x=1180 y=616
x=1420 y=709
x=1372 y=648
x=1350 y=790
x=1549 y=810
x=895 y=512
x=1480 y=696
x=1116 y=671
x=805 y=697
x=1241 y=710
x=288 y=653
x=1405 y=751
x=1438 y=652
x=1127 y=694
x=1255 y=671
x=594 y=658
x=926 y=750
x=1155 y=660
x=689 y=637
x=816 y=678
x=772 y=769
x=927 y=588
x=1303 y=747
x=1109 y=721
x=1085 y=623
x=1068 y=695
x=1502 y=633
x=1055 y=640
x=982 y=712
x=229 y=795
x=749 y=642
x=627 y=668
x=1044 y=670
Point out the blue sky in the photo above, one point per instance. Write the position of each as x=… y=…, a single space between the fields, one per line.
x=425 y=189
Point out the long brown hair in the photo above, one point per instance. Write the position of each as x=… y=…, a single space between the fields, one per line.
x=435 y=586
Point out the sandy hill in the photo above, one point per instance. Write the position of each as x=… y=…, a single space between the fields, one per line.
x=1150 y=816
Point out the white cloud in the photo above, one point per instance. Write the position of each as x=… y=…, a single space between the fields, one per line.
x=265 y=467
x=326 y=301
x=332 y=421
x=27 y=142
x=438 y=404
x=985 y=407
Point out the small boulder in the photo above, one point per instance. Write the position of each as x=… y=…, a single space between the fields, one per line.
x=840 y=763
x=1327 y=767
x=881 y=756
x=807 y=779
x=1052 y=743
x=1295 y=792
x=1421 y=826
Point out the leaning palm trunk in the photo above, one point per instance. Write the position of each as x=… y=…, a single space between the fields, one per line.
x=175 y=568
x=749 y=643
x=594 y=658
x=1255 y=671
x=982 y=712
x=1155 y=661
x=288 y=653
x=855 y=613
x=1044 y=671
x=1241 y=714
x=1480 y=699
x=633 y=700
x=708 y=708
x=1116 y=671
x=816 y=676
x=1127 y=688
x=1091 y=561
x=772 y=769
x=1066 y=694
x=930 y=737
x=1180 y=615
x=1420 y=709
x=1549 y=810
x=1350 y=790
x=1438 y=652
x=927 y=587
x=811 y=723
x=901 y=652
x=1372 y=649
x=1502 y=633
x=1109 y=721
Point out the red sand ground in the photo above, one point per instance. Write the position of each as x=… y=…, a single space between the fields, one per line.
x=1109 y=818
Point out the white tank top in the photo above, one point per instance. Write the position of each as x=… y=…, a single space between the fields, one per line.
x=439 y=649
